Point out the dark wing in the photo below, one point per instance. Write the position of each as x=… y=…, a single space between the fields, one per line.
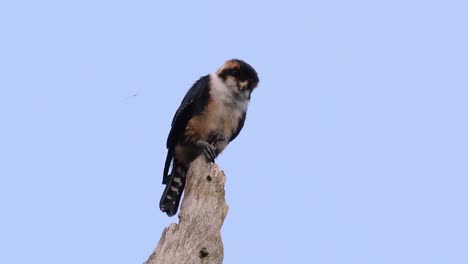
x=239 y=128
x=192 y=104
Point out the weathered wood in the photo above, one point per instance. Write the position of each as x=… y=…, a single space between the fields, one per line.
x=197 y=237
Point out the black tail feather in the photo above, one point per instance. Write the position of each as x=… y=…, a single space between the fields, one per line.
x=169 y=157
x=175 y=184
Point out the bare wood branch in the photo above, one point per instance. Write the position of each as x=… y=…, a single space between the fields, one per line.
x=197 y=237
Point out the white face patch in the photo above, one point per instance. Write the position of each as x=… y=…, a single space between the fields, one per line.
x=228 y=93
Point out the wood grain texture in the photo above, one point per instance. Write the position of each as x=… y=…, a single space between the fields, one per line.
x=196 y=238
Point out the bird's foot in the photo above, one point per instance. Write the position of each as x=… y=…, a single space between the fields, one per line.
x=208 y=150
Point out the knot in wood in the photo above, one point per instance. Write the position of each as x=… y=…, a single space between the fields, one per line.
x=204 y=253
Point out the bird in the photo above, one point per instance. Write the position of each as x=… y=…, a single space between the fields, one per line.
x=210 y=116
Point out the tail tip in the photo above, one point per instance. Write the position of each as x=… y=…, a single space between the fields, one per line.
x=170 y=210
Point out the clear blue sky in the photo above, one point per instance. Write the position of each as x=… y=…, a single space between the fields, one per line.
x=355 y=148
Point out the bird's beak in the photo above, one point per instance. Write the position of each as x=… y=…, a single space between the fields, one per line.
x=243 y=85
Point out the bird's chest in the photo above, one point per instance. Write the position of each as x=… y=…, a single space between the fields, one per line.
x=219 y=118
x=223 y=117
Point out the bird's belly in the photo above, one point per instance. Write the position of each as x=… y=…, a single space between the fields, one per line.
x=216 y=119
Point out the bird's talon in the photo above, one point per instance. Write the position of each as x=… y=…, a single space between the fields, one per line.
x=209 y=153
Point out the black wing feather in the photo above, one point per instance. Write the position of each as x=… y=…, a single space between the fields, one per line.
x=193 y=104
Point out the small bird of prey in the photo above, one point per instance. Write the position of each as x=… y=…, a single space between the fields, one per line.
x=210 y=116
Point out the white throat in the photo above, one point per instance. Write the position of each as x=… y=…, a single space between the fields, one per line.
x=228 y=94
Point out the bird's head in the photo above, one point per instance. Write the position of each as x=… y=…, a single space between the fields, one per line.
x=239 y=74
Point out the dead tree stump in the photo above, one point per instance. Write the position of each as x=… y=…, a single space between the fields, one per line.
x=197 y=237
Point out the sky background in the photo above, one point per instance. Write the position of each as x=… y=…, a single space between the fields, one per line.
x=355 y=147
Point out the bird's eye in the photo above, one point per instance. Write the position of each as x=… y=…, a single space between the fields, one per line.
x=235 y=72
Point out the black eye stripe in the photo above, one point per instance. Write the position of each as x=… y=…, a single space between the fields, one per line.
x=235 y=72
x=243 y=72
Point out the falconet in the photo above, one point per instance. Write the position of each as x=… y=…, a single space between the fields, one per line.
x=210 y=116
